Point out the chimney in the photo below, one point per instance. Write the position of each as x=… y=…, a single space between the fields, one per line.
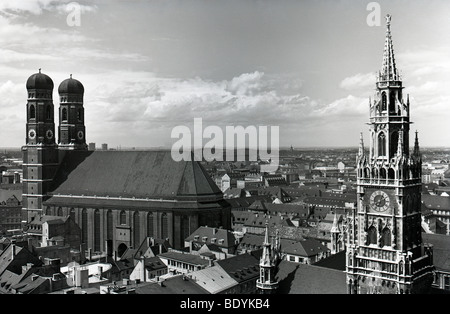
x=160 y=248
x=115 y=256
x=90 y=254
x=13 y=250
x=100 y=271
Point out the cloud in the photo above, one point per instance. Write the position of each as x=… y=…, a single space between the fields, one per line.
x=358 y=81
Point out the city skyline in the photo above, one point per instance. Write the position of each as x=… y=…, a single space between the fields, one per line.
x=147 y=67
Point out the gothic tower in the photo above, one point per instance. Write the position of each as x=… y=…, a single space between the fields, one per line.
x=71 y=130
x=40 y=154
x=385 y=253
x=266 y=283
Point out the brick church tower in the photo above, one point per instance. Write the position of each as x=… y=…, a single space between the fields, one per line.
x=40 y=154
x=385 y=253
x=72 y=130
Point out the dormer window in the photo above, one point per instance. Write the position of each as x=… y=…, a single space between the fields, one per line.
x=204 y=239
x=196 y=238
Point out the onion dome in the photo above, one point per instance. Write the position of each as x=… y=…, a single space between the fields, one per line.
x=39 y=81
x=71 y=86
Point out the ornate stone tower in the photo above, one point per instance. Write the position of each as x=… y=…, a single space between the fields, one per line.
x=336 y=236
x=72 y=131
x=40 y=154
x=266 y=283
x=385 y=253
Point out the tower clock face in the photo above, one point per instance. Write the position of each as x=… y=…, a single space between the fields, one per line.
x=31 y=134
x=379 y=201
x=80 y=135
x=49 y=134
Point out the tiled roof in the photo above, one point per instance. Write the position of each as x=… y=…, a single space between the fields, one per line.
x=174 y=285
x=436 y=202
x=241 y=267
x=309 y=279
x=441 y=249
x=213 y=279
x=128 y=174
x=210 y=233
x=184 y=257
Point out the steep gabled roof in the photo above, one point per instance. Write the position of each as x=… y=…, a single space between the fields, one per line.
x=128 y=174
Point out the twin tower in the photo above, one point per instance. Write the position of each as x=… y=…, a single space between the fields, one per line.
x=42 y=154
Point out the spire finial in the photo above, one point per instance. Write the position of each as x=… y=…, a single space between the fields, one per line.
x=39 y=70
x=70 y=75
x=388 y=20
x=388 y=70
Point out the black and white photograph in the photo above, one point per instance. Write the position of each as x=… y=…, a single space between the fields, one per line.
x=223 y=154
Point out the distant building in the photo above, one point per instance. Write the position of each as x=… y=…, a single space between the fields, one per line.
x=104 y=146
x=91 y=146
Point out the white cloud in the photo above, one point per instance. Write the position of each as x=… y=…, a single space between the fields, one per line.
x=358 y=81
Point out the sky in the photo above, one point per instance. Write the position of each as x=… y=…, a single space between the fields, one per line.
x=307 y=67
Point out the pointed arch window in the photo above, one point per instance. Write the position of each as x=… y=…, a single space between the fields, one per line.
x=32 y=112
x=383 y=101
x=150 y=229
x=109 y=225
x=381 y=144
x=84 y=226
x=97 y=230
x=372 y=235
x=136 y=229
x=164 y=226
x=123 y=218
x=386 y=237
x=392 y=101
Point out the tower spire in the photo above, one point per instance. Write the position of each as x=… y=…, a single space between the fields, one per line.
x=388 y=70
x=416 y=146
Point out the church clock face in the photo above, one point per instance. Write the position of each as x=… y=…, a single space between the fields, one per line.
x=80 y=135
x=379 y=201
x=49 y=134
x=31 y=134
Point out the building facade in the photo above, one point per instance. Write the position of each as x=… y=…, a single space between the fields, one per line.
x=385 y=252
x=117 y=198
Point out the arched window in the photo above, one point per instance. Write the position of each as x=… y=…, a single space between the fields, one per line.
x=386 y=237
x=123 y=218
x=64 y=114
x=60 y=212
x=393 y=144
x=391 y=174
x=383 y=101
x=381 y=144
x=150 y=228
x=383 y=173
x=97 y=230
x=49 y=112
x=392 y=101
x=184 y=227
x=84 y=226
x=372 y=235
x=136 y=229
x=109 y=225
x=164 y=226
x=32 y=112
